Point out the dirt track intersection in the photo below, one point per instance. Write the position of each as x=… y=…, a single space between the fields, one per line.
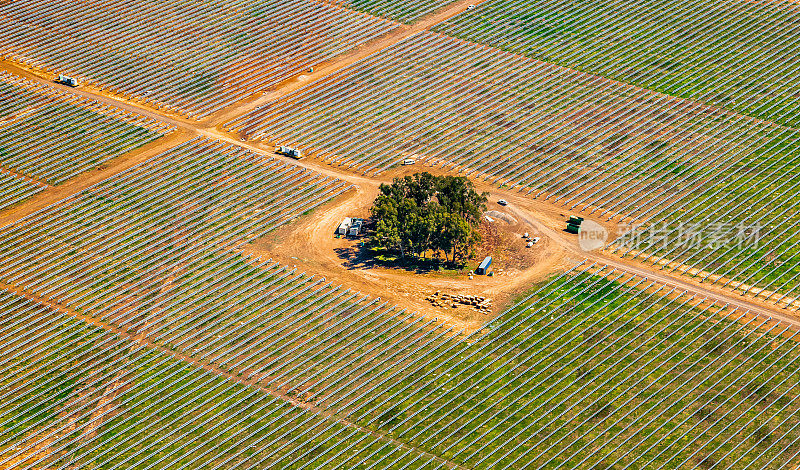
x=186 y=304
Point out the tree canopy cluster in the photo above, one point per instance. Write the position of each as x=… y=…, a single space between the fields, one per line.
x=425 y=213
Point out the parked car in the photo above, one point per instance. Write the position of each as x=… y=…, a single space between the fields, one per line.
x=502 y=202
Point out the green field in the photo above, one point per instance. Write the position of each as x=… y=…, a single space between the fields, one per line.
x=15 y=188
x=590 y=374
x=582 y=373
x=101 y=402
x=136 y=332
x=133 y=232
x=737 y=55
x=562 y=135
x=48 y=137
x=191 y=57
x=34 y=145
x=405 y=12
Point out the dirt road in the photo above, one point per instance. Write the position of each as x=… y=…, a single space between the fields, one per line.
x=689 y=285
x=53 y=194
x=400 y=33
x=97 y=95
x=544 y=217
x=310 y=245
x=693 y=288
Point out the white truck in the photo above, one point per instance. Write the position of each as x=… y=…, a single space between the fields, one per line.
x=289 y=152
x=69 y=81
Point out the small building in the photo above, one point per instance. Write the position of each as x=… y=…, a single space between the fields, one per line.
x=344 y=227
x=575 y=220
x=355 y=228
x=483 y=268
x=572 y=228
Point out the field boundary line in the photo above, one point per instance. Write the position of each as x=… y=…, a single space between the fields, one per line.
x=331 y=66
x=186 y=129
x=92 y=93
x=679 y=281
x=224 y=374
x=54 y=194
x=686 y=271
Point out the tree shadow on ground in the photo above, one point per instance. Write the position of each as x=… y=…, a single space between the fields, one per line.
x=364 y=257
x=355 y=257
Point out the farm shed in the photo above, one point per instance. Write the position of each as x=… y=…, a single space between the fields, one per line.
x=344 y=226
x=483 y=268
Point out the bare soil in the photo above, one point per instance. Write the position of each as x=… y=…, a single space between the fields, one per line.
x=91 y=92
x=310 y=244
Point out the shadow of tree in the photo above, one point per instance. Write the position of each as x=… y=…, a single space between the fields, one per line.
x=363 y=257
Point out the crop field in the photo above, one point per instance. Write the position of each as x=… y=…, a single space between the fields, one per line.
x=569 y=137
x=189 y=57
x=593 y=368
x=16 y=188
x=755 y=255
x=92 y=399
x=406 y=11
x=176 y=298
x=48 y=137
x=134 y=232
x=736 y=55
x=586 y=371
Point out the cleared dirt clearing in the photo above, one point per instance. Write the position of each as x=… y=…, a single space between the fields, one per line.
x=310 y=245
